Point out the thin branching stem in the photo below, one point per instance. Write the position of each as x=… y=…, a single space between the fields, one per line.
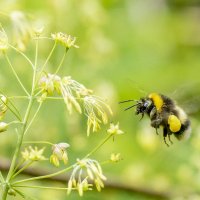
x=49 y=56
x=23 y=129
x=23 y=54
x=43 y=187
x=99 y=146
x=1 y=177
x=18 y=165
x=66 y=169
x=61 y=62
x=38 y=142
x=23 y=168
x=33 y=118
x=15 y=74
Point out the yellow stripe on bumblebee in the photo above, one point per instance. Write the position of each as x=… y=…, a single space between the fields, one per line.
x=157 y=100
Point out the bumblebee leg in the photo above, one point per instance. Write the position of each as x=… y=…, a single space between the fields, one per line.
x=142 y=116
x=165 y=133
x=156 y=131
x=156 y=124
x=170 y=139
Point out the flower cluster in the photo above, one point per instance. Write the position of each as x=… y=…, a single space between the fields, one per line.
x=83 y=170
x=95 y=110
x=33 y=154
x=64 y=39
x=73 y=94
x=59 y=153
x=72 y=91
x=49 y=83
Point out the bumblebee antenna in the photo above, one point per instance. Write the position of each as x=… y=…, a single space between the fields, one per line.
x=128 y=101
x=130 y=107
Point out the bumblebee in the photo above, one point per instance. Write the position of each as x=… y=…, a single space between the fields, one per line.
x=163 y=112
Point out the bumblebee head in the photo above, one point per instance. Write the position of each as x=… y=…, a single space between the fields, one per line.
x=142 y=106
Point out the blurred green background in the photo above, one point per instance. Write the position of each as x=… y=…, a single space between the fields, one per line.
x=127 y=49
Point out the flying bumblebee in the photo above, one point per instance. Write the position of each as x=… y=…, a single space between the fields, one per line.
x=163 y=112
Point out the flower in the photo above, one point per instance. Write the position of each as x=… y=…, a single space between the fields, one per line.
x=115 y=157
x=71 y=90
x=59 y=153
x=83 y=170
x=65 y=40
x=22 y=29
x=3 y=127
x=33 y=154
x=96 y=111
x=67 y=92
x=3 y=41
x=3 y=105
x=114 y=129
x=49 y=82
x=38 y=30
x=75 y=86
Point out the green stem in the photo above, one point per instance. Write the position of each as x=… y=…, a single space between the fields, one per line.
x=105 y=162
x=22 y=169
x=99 y=146
x=55 y=98
x=5 y=192
x=15 y=74
x=33 y=118
x=38 y=142
x=49 y=56
x=15 y=122
x=18 y=165
x=19 y=141
x=61 y=62
x=14 y=110
x=17 y=50
x=18 y=97
x=45 y=176
x=42 y=187
x=1 y=177
x=36 y=54
x=66 y=169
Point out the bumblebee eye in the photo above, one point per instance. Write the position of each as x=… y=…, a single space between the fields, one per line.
x=146 y=104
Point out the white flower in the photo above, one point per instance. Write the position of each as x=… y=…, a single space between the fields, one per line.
x=83 y=170
x=97 y=112
x=66 y=40
x=69 y=90
x=49 y=83
x=59 y=153
x=33 y=154
x=114 y=129
x=115 y=157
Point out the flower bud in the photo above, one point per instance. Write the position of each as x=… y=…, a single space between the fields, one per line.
x=3 y=126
